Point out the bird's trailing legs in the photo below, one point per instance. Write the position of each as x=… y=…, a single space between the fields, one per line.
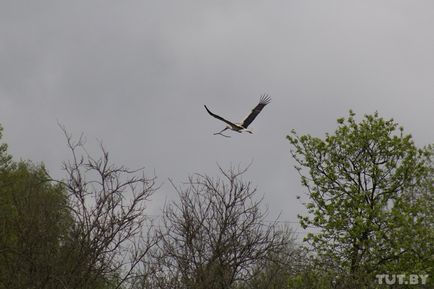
x=221 y=132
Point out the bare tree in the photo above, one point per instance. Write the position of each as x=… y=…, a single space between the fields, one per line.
x=214 y=236
x=107 y=204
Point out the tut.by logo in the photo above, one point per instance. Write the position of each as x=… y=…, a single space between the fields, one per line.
x=411 y=279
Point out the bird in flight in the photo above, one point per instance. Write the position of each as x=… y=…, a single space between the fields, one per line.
x=242 y=127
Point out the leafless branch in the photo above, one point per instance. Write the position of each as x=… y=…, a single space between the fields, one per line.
x=107 y=203
x=215 y=235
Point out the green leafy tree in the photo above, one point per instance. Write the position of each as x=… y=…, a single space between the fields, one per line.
x=368 y=192
x=5 y=158
x=33 y=221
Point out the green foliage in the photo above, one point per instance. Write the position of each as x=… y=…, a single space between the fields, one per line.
x=5 y=158
x=310 y=279
x=33 y=221
x=365 y=184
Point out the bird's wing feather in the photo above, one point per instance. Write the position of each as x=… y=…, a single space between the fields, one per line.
x=219 y=117
x=265 y=99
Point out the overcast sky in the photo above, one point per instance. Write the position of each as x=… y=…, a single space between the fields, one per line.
x=136 y=74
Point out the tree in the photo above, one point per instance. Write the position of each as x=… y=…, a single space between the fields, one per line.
x=32 y=217
x=5 y=158
x=363 y=183
x=214 y=236
x=274 y=271
x=107 y=203
x=33 y=220
x=86 y=231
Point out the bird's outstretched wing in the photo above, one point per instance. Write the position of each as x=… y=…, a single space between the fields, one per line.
x=219 y=117
x=265 y=99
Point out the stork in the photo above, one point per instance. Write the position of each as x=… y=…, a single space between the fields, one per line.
x=242 y=127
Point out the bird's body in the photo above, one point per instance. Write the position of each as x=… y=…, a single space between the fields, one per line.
x=242 y=127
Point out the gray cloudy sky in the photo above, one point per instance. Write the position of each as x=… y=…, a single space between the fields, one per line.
x=135 y=74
